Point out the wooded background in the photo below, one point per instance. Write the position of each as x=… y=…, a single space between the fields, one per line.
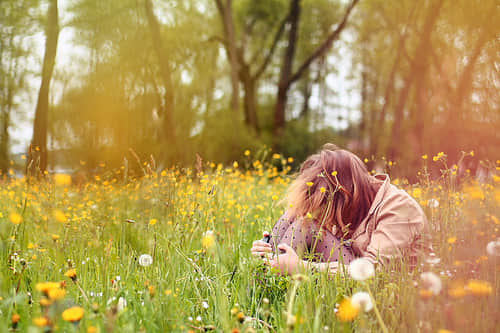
x=216 y=77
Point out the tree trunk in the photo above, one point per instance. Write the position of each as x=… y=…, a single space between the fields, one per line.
x=39 y=141
x=286 y=76
x=165 y=69
x=286 y=72
x=249 y=105
x=419 y=58
x=226 y=13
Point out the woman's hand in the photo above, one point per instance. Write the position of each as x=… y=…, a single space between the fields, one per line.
x=288 y=261
x=261 y=248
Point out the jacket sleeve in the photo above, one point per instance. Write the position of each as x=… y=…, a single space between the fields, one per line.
x=399 y=224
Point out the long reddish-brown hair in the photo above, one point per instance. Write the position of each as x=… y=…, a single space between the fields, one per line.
x=334 y=188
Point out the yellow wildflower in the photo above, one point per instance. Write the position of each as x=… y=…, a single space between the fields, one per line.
x=41 y=321
x=60 y=216
x=452 y=240
x=45 y=287
x=16 y=318
x=322 y=189
x=71 y=274
x=479 y=288
x=424 y=157
x=73 y=314
x=92 y=329
x=153 y=221
x=62 y=179
x=347 y=311
x=309 y=184
x=56 y=294
x=15 y=218
x=208 y=240
x=247 y=152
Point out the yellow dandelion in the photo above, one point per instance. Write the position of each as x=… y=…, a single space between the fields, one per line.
x=73 y=314
x=168 y=292
x=457 y=291
x=208 y=240
x=424 y=157
x=62 y=179
x=153 y=221
x=452 y=240
x=45 y=287
x=479 y=288
x=15 y=218
x=274 y=197
x=15 y=318
x=55 y=237
x=425 y=293
x=247 y=152
x=322 y=189
x=92 y=329
x=60 y=216
x=309 y=215
x=56 y=294
x=235 y=164
x=71 y=274
x=347 y=311
x=290 y=160
x=334 y=173
x=309 y=184
x=41 y=321
x=44 y=302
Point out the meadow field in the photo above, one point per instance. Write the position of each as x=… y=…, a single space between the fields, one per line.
x=169 y=251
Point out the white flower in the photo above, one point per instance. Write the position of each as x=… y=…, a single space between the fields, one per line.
x=198 y=319
x=122 y=304
x=433 y=203
x=493 y=248
x=431 y=282
x=145 y=260
x=432 y=259
x=361 y=269
x=362 y=300
x=204 y=304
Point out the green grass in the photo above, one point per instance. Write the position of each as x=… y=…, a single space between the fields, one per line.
x=223 y=288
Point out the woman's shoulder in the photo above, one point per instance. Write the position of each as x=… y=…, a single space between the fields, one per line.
x=396 y=201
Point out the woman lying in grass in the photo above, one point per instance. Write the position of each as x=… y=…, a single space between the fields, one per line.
x=336 y=212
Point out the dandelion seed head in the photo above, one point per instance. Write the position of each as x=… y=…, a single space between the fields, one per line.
x=431 y=282
x=361 y=269
x=363 y=301
x=145 y=260
x=493 y=248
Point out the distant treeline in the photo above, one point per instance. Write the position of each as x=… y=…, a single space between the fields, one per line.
x=172 y=79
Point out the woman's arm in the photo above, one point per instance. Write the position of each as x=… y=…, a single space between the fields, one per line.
x=289 y=262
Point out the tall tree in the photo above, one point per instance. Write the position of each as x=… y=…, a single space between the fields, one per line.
x=166 y=72
x=287 y=76
x=38 y=150
x=416 y=72
x=247 y=67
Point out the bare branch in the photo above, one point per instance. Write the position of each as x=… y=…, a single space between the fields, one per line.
x=270 y=53
x=326 y=44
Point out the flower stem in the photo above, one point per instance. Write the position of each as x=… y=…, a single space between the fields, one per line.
x=377 y=313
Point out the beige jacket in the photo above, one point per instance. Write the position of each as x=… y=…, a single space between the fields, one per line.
x=393 y=228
